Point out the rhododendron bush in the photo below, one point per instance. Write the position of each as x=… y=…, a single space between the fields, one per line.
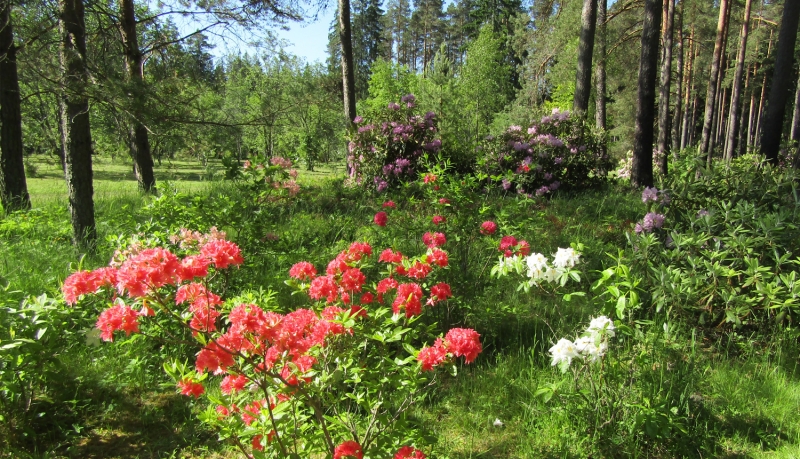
x=559 y=151
x=336 y=377
x=386 y=151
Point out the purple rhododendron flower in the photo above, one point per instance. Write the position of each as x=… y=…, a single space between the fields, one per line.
x=650 y=194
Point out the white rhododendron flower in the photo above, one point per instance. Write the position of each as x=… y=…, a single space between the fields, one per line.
x=565 y=258
x=601 y=325
x=564 y=351
x=551 y=275
x=592 y=348
x=537 y=263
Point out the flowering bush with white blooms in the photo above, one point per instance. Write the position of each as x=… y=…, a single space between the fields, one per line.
x=589 y=347
x=539 y=271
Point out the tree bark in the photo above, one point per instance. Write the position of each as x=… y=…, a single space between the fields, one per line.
x=13 y=186
x=642 y=165
x=738 y=76
x=795 y=134
x=348 y=77
x=138 y=141
x=781 y=82
x=675 y=132
x=662 y=145
x=688 y=106
x=711 y=94
x=763 y=99
x=76 y=130
x=600 y=71
x=583 y=74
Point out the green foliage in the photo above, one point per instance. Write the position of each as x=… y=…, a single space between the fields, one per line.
x=388 y=83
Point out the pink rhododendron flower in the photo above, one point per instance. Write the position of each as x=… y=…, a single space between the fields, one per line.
x=434 y=239
x=389 y=204
x=231 y=384
x=438 y=219
x=303 y=271
x=117 y=317
x=408 y=298
x=222 y=253
x=432 y=356
x=408 y=452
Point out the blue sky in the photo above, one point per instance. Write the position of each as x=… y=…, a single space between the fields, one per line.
x=309 y=40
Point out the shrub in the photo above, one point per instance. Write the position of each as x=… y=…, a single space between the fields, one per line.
x=560 y=151
x=387 y=151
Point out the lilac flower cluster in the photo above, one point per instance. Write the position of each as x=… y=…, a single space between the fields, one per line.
x=560 y=151
x=386 y=151
x=650 y=222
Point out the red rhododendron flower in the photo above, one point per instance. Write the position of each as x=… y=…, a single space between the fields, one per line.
x=441 y=292
x=190 y=292
x=337 y=265
x=390 y=256
x=384 y=285
x=193 y=266
x=419 y=270
x=488 y=227
x=429 y=178
x=148 y=270
x=433 y=239
x=257 y=443
x=189 y=387
x=507 y=242
x=432 y=356
x=117 y=317
x=77 y=284
x=323 y=287
x=298 y=367
x=523 y=248
x=303 y=271
x=408 y=452
x=408 y=298
x=252 y=411
x=463 y=341
x=389 y=204
x=232 y=384
x=352 y=280
x=213 y=358
x=357 y=251
x=348 y=450
x=367 y=298
x=222 y=253
x=437 y=257
x=223 y=411
x=381 y=218
x=438 y=219
x=444 y=201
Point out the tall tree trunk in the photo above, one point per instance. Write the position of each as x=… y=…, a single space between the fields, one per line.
x=781 y=82
x=675 y=133
x=662 y=146
x=688 y=109
x=733 y=124
x=77 y=136
x=751 y=115
x=13 y=186
x=138 y=141
x=583 y=75
x=642 y=165
x=762 y=100
x=348 y=77
x=713 y=78
x=795 y=133
x=600 y=71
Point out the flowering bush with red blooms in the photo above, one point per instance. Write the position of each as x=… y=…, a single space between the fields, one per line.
x=300 y=381
x=408 y=452
x=488 y=228
x=381 y=219
x=387 y=151
x=510 y=246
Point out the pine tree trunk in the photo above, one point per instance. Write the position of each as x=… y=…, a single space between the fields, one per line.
x=138 y=139
x=751 y=120
x=779 y=89
x=711 y=94
x=600 y=71
x=77 y=136
x=642 y=165
x=13 y=186
x=348 y=77
x=795 y=133
x=583 y=74
x=675 y=133
x=662 y=146
x=762 y=100
x=733 y=124
x=688 y=109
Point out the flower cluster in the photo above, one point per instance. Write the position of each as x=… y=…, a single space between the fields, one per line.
x=652 y=197
x=558 y=151
x=510 y=246
x=387 y=152
x=591 y=346
x=457 y=342
x=264 y=360
x=276 y=175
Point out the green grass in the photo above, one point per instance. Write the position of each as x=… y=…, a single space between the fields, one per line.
x=740 y=398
